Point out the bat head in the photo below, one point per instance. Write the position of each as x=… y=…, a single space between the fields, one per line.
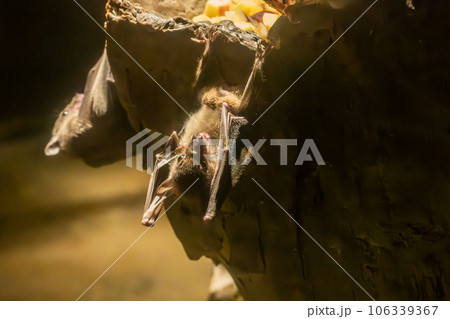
x=68 y=126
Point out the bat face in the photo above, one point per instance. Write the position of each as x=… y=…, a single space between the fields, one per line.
x=67 y=127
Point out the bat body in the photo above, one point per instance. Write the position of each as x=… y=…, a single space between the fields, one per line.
x=211 y=122
x=216 y=119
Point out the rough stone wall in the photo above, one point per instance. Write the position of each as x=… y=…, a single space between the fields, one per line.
x=377 y=108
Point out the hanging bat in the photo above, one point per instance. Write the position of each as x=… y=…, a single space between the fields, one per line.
x=213 y=120
x=76 y=117
x=94 y=125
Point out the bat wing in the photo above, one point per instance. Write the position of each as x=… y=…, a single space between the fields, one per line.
x=229 y=129
x=156 y=195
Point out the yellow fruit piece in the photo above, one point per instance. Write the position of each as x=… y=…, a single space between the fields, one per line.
x=217 y=19
x=246 y=26
x=269 y=19
x=249 y=7
x=255 y=10
x=202 y=17
x=241 y=12
x=269 y=8
x=261 y=29
x=216 y=8
x=239 y=16
x=256 y=2
x=230 y=15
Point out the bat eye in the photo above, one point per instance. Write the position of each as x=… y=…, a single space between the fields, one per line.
x=65 y=113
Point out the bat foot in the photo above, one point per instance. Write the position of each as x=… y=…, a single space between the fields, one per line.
x=148 y=222
x=209 y=216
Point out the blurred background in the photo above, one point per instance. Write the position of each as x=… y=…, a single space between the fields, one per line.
x=63 y=223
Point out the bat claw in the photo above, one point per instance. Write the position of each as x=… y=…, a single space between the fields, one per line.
x=201 y=41
x=208 y=217
x=148 y=222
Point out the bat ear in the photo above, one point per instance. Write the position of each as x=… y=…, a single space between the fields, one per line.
x=53 y=147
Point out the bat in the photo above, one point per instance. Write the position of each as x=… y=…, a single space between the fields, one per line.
x=93 y=126
x=215 y=121
x=76 y=118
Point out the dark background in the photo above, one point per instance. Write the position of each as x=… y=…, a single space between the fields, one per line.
x=48 y=47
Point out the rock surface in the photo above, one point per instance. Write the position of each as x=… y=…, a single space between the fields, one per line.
x=376 y=106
